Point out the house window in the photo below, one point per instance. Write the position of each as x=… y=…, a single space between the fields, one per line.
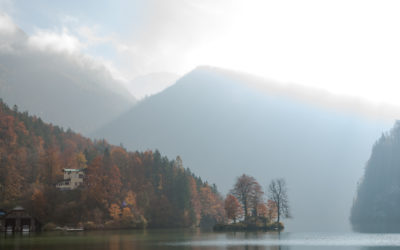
x=81 y=176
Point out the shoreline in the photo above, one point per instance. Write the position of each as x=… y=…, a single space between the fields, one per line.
x=243 y=227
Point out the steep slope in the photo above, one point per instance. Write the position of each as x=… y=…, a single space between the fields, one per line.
x=376 y=206
x=61 y=87
x=224 y=124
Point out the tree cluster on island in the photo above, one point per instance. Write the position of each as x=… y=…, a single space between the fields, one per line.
x=246 y=208
x=121 y=189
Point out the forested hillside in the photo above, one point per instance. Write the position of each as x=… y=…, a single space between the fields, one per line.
x=121 y=188
x=376 y=206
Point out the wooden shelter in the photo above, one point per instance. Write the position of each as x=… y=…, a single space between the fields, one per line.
x=18 y=220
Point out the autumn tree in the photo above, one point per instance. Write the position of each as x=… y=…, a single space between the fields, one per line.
x=39 y=204
x=127 y=215
x=248 y=192
x=81 y=161
x=262 y=210
x=94 y=192
x=12 y=184
x=272 y=212
x=112 y=183
x=233 y=208
x=195 y=202
x=212 y=206
x=51 y=166
x=278 y=193
x=256 y=198
x=130 y=199
x=115 y=211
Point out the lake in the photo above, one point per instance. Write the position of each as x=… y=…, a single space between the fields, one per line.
x=196 y=239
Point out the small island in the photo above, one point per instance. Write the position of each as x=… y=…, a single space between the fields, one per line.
x=246 y=209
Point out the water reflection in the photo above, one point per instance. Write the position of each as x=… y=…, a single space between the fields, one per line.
x=380 y=248
x=196 y=240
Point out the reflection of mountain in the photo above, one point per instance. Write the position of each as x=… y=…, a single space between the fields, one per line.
x=376 y=207
x=60 y=87
x=222 y=125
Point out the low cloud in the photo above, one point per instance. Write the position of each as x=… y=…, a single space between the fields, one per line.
x=57 y=41
x=50 y=66
x=7 y=26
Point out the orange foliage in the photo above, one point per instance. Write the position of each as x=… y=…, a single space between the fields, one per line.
x=195 y=201
x=262 y=210
x=212 y=205
x=115 y=211
x=272 y=210
x=233 y=208
x=127 y=214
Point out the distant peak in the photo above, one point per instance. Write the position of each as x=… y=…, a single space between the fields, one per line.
x=210 y=69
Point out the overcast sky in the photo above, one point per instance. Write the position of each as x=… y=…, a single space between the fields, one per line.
x=346 y=47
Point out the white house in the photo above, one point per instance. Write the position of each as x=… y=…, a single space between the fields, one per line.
x=72 y=179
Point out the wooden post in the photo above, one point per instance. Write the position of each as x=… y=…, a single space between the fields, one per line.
x=18 y=224
x=33 y=225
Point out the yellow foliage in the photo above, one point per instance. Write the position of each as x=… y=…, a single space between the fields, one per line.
x=81 y=160
x=130 y=199
x=127 y=213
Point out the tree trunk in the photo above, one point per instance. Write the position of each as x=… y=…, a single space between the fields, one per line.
x=279 y=214
x=245 y=211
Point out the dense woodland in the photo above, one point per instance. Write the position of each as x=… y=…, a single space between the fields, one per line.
x=376 y=206
x=121 y=188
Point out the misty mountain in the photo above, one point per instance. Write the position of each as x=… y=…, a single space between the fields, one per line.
x=61 y=87
x=376 y=206
x=147 y=85
x=224 y=124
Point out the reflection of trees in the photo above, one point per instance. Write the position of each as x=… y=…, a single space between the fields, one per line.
x=247 y=247
x=114 y=242
x=155 y=239
x=231 y=236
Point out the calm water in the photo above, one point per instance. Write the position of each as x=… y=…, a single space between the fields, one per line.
x=196 y=239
